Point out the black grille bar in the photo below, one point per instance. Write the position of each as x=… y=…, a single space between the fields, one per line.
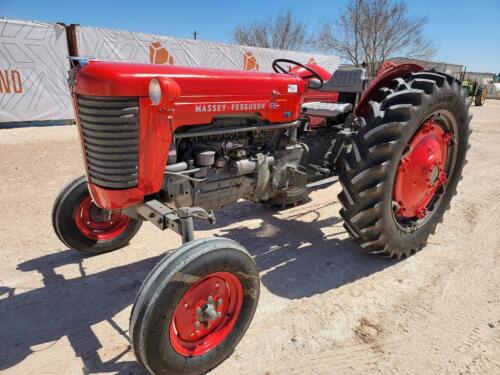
x=110 y=129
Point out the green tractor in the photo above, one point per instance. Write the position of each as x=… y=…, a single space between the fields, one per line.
x=474 y=89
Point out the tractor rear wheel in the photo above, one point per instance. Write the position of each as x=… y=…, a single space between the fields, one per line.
x=194 y=307
x=480 y=97
x=405 y=163
x=83 y=226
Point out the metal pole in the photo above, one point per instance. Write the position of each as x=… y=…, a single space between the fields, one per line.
x=187 y=229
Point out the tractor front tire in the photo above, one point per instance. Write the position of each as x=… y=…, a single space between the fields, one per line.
x=83 y=226
x=405 y=163
x=194 y=307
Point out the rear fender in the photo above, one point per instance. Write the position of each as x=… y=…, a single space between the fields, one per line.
x=385 y=75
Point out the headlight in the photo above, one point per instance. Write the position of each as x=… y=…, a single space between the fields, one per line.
x=155 y=91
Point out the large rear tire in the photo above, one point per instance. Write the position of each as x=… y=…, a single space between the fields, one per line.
x=194 y=307
x=82 y=226
x=405 y=163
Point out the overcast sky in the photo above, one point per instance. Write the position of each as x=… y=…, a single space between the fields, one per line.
x=466 y=32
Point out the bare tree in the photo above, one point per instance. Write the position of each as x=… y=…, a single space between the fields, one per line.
x=373 y=31
x=282 y=31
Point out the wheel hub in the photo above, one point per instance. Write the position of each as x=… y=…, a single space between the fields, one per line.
x=206 y=314
x=421 y=171
x=98 y=224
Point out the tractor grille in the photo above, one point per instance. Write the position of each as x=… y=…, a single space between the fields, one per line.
x=110 y=129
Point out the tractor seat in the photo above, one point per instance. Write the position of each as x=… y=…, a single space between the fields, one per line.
x=329 y=110
x=350 y=80
x=347 y=82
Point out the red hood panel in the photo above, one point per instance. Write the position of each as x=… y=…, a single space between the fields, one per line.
x=100 y=78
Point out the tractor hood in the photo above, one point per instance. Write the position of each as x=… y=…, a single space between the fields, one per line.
x=99 y=78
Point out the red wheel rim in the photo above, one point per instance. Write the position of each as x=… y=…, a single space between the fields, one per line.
x=96 y=223
x=206 y=314
x=421 y=171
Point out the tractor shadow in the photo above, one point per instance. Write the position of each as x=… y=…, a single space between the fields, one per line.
x=296 y=259
x=295 y=255
x=69 y=308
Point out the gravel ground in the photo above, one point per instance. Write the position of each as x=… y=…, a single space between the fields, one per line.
x=325 y=307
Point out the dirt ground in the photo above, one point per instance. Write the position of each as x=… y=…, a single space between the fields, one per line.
x=325 y=308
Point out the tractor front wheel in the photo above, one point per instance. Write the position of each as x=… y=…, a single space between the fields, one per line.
x=83 y=226
x=194 y=307
x=405 y=163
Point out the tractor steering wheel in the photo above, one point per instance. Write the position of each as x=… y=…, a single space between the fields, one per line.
x=280 y=69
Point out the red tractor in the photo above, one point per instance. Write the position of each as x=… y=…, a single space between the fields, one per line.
x=168 y=144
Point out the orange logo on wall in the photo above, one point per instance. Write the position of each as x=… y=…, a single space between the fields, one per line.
x=159 y=54
x=312 y=61
x=10 y=82
x=250 y=62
